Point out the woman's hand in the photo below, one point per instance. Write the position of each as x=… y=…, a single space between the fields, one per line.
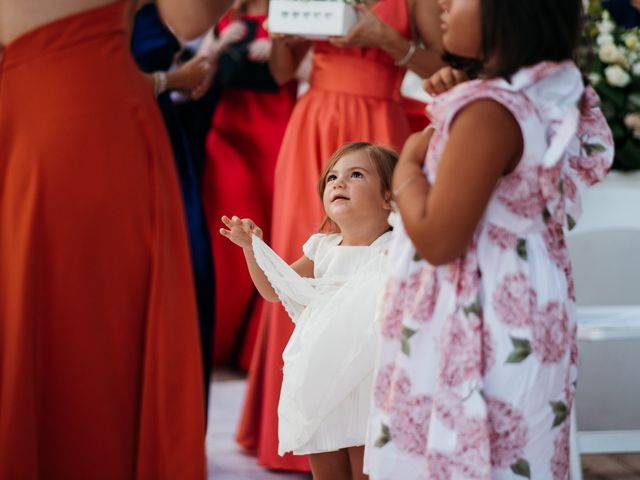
x=370 y=31
x=240 y=231
x=234 y=32
x=259 y=50
x=193 y=75
x=443 y=80
x=291 y=41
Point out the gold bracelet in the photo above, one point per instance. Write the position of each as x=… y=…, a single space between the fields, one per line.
x=405 y=183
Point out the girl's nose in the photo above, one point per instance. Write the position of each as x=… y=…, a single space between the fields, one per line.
x=339 y=183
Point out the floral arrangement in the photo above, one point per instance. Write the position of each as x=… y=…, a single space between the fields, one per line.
x=612 y=62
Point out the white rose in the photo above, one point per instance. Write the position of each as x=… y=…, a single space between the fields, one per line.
x=631 y=41
x=636 y=69
x=616 y=76
x=594 y=78
x=605 y=38
x=606 y=26
x=609 y=53
x=632 y=121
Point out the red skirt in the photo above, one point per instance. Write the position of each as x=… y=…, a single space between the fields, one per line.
x=100 y=369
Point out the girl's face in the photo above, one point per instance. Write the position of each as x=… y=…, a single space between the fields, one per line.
x=353 y=190
x=462 y=27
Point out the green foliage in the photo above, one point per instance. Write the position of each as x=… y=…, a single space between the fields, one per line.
x=610 y=55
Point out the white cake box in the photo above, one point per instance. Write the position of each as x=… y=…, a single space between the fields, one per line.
x=311 y=18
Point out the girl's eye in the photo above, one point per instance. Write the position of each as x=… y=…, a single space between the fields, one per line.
x=356 y=174
x=331 y=178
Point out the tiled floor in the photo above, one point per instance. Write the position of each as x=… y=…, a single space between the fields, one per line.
x=228 y=462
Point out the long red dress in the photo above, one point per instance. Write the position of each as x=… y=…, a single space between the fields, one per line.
x=100 y=370
x=354 y=95
x=242 y=148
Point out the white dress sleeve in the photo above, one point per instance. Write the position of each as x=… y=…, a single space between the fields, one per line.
x=311 y=246
x=294 y=291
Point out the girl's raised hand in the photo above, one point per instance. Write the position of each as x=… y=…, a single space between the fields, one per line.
x=240 y=230
x=444 y=79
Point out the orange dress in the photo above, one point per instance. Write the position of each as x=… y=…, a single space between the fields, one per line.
x=100 y=369
x=354 y=95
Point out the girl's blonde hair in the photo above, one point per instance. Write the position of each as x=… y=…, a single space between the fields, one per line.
x=382 y=158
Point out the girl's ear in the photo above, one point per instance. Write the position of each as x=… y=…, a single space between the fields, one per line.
x=386 y=205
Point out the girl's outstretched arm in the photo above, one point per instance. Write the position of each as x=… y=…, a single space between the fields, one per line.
x=485 y=143
x=239 y=232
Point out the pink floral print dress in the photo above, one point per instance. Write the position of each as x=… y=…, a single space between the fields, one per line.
x=477 y=367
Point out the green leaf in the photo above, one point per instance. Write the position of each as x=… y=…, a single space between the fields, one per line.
x=384 y=438
x=521 y=248
x=521 y=467
x=591 y=148
x=570 y=222
x=521 y=350
x=546 y=215
x=561 y=187
x=404 y=346
x=560 y=413
x=407 y=333
x=417 y=257
x=473 y=308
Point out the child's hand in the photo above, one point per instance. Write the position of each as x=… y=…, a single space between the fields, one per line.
x=415 y=147
x=444 y=79
x=240 y=230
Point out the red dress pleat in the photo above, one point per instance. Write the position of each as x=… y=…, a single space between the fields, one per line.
x=100 y=369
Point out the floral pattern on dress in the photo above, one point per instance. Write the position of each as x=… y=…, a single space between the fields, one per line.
x=514 y=300
x=560 y=458
x=410 y=423
x=550 y=332
x=519 y=192
x=425 y=285
x=454 y=404
x=394 y=300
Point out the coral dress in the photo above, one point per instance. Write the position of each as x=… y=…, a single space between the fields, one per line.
x=242 y=148
x=477 y=366
x=100 y=370
x=354 y=95
x=154 y=48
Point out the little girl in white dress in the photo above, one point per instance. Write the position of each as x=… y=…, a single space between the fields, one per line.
x=331 y=294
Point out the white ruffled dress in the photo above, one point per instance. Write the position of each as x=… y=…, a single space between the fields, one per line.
x=329 y=360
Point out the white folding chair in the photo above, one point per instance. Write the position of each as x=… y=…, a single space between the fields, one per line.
x=605 y=252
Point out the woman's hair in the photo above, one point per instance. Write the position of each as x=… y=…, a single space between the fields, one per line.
x=383 y=159
x=519 y=33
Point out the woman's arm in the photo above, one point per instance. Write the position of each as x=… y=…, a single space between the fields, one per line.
x=371 y=31
x=239 y=232
x=441 y=219
x=287 y=53
x=190 y=18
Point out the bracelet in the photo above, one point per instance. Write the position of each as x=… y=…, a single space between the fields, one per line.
x=410 y=53
x=159 y=82
x=405 y=183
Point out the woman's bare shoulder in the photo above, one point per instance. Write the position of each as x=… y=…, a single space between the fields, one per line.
x=20 y=16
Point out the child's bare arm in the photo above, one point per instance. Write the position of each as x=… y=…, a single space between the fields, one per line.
x=485 y=142
x=239 y=232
